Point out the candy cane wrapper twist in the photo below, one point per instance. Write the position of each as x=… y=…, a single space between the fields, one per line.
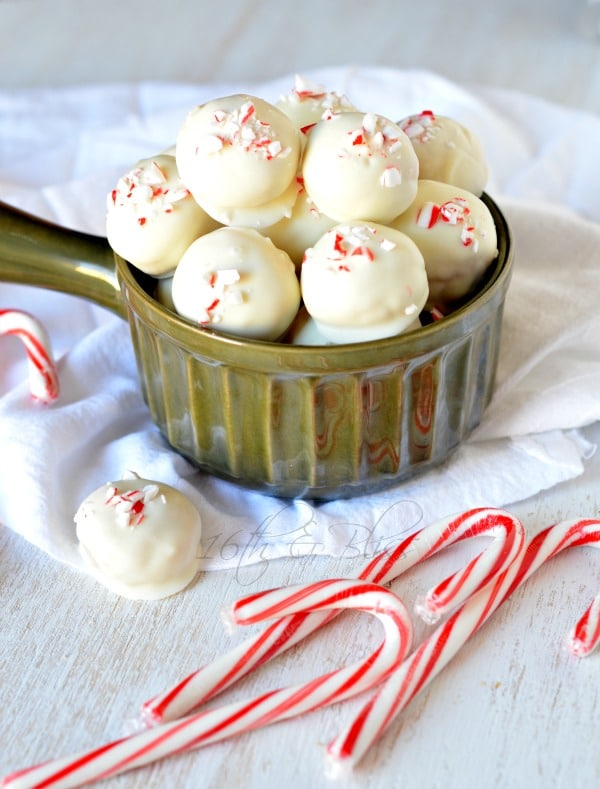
x=43 y=376
x=208 y=681
x=426 y=662
x=218 y=724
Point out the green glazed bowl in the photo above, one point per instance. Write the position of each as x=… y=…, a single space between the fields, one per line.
x=291 y=421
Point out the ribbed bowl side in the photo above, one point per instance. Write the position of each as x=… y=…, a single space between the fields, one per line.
x=208 y=405
x=200 y=406
x=317 y=436
x=292 y=432
x=423 y=408
x=449 y=393
x=162 y=370
x=329 y=432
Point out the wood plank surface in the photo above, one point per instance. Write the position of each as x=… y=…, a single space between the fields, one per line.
x=514 y=709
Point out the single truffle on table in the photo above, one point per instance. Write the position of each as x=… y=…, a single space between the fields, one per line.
x=139 y=538
x=363 y=281
x=152 y=218
x=360 y=167
x=236 y=281
x=237 y=152
x=447 y=151
x=456 y=233
x=308 y=102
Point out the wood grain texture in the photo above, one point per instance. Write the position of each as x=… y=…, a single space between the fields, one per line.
x=514 y=709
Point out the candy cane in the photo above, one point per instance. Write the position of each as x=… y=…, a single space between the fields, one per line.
x=43 y=377
x=420 y=668
x=221 y=723
x=584 y=637
x=213 y=678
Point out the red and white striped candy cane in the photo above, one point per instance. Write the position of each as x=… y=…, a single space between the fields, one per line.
x=218 y=724
x=208 y=681
x=43 y=376
x=508 y=534
x=584 y=637
x=426 y=662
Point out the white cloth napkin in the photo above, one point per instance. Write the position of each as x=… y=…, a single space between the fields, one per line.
x=60 y=153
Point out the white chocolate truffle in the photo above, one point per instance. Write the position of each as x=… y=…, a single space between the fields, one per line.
x=303 y=228
x=363 y=282
x=139 y=538
x=304 y=331
x=258 y=216
x=360 y=167
x=236 y=281
x=163 y=292
x=456 y=233
x=238 y=151
x=447 y=151
x=309 y=102
x=152 y=218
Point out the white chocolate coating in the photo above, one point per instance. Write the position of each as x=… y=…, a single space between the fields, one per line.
x=152 y=218
x=139 y=538
x=363 y=282
x=235 y=280
x=309 y=102
x=238 y=151
x=163 y=292
x=447 y=151
x=258 y=216
x=304 y=331
x=360 y=167
x=303 y=228
x=456 y=233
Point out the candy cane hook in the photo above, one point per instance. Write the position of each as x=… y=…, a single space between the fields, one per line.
x=43 y=376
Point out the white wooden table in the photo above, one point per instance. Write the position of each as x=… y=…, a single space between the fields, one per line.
x=514 y=709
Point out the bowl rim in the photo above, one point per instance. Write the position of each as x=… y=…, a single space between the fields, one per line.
x=277 y=357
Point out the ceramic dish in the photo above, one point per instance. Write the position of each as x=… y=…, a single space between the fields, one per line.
x=291 y=421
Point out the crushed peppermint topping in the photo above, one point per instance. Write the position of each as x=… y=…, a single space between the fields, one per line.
x=421 y=127
x=391 y=177
x=468 y=239
x=242 y=128
x=376 y=135
x=147 y=191
x=452 y=212
x=349 y=243
x=307 y=91
x=129 y=506
x=216 y=293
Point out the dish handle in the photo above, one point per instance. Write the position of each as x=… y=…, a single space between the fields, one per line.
x=36 y=252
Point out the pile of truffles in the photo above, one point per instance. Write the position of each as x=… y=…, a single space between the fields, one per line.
x=308 y=221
